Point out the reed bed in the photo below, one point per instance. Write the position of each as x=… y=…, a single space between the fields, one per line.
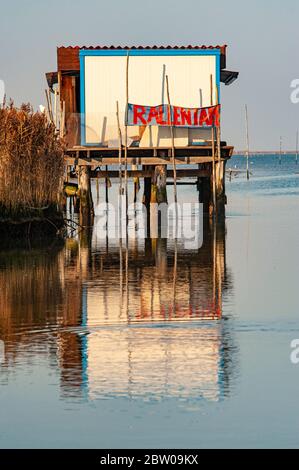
x=31 y=165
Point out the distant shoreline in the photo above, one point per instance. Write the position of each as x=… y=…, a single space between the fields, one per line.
x=260 y=152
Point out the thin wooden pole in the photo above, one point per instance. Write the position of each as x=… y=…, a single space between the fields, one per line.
x=213 y=151
x=98 y=190
x=107 y=185
x=218 y=131
x=119 y=150
x=62 y=120
x=174 y=282
x=297 y=147
x=49 y=103
x=126 y=137
x=172 y=153
x=55 y=108
x=119 y=170
x=247 y=142
x=280 y=150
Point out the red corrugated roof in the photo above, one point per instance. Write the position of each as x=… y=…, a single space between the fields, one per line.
x=68 y=57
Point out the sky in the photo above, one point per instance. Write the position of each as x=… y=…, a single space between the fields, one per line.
x=262 y=39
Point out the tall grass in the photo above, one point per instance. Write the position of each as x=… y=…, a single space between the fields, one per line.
x=31 y=163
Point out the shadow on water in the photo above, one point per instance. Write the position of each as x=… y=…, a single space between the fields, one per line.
x=143 y=322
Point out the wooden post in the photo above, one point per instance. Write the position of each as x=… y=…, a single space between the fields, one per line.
x=98 y=189
x=120 y=173
x=158 y=215
x=214 y=207
x=247 y=142
x=119 y=150
x=147 y=199
x=220 y=169
x=62 y=120
x=86 y=203
x=172 y=143
x=107 y=185
x=126 y=136
x=136 y=184
x=55 y=108
x=218 y=129
x=280 y=150
x=297 y=147
x=49 y=104
x=158 y=189
x=205 y=195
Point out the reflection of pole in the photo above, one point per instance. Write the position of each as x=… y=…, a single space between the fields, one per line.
x=120 y=277
x=175 y=269
x=127 y=280
x=247 y=141
x=214 y=227
x=219 y=277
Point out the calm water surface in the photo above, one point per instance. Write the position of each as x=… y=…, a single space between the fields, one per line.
x=175 y=348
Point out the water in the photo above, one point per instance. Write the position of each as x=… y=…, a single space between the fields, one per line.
x=185 y=348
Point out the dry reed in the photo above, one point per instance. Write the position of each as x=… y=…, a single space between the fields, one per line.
x=31 y=163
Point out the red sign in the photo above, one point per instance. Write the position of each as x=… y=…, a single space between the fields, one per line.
x=177 y=116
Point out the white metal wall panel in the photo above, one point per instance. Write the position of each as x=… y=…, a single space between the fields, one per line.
x=189 y=80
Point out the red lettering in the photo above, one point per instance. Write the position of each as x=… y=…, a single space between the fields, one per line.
x=206 y=117
x=186 y=117
x=217 y=116
x=160 y=117
x=138 y=113
x=176 y=116
x=153 y=114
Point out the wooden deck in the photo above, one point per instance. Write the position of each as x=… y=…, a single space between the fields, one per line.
x=97 y=156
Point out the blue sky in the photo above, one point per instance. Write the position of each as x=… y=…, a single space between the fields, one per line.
x=263 y=38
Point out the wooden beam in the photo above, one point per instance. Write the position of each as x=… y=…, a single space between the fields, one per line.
x=101 y=161
x=148 y=173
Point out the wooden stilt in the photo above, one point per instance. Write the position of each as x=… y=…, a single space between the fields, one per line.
x=159 y=185
x=98 y=189
x=86 y=203
x=147 y=201
x=158 y=215
x=136 y=184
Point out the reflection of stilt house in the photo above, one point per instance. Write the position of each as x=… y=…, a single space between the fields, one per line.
x=78 y=293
